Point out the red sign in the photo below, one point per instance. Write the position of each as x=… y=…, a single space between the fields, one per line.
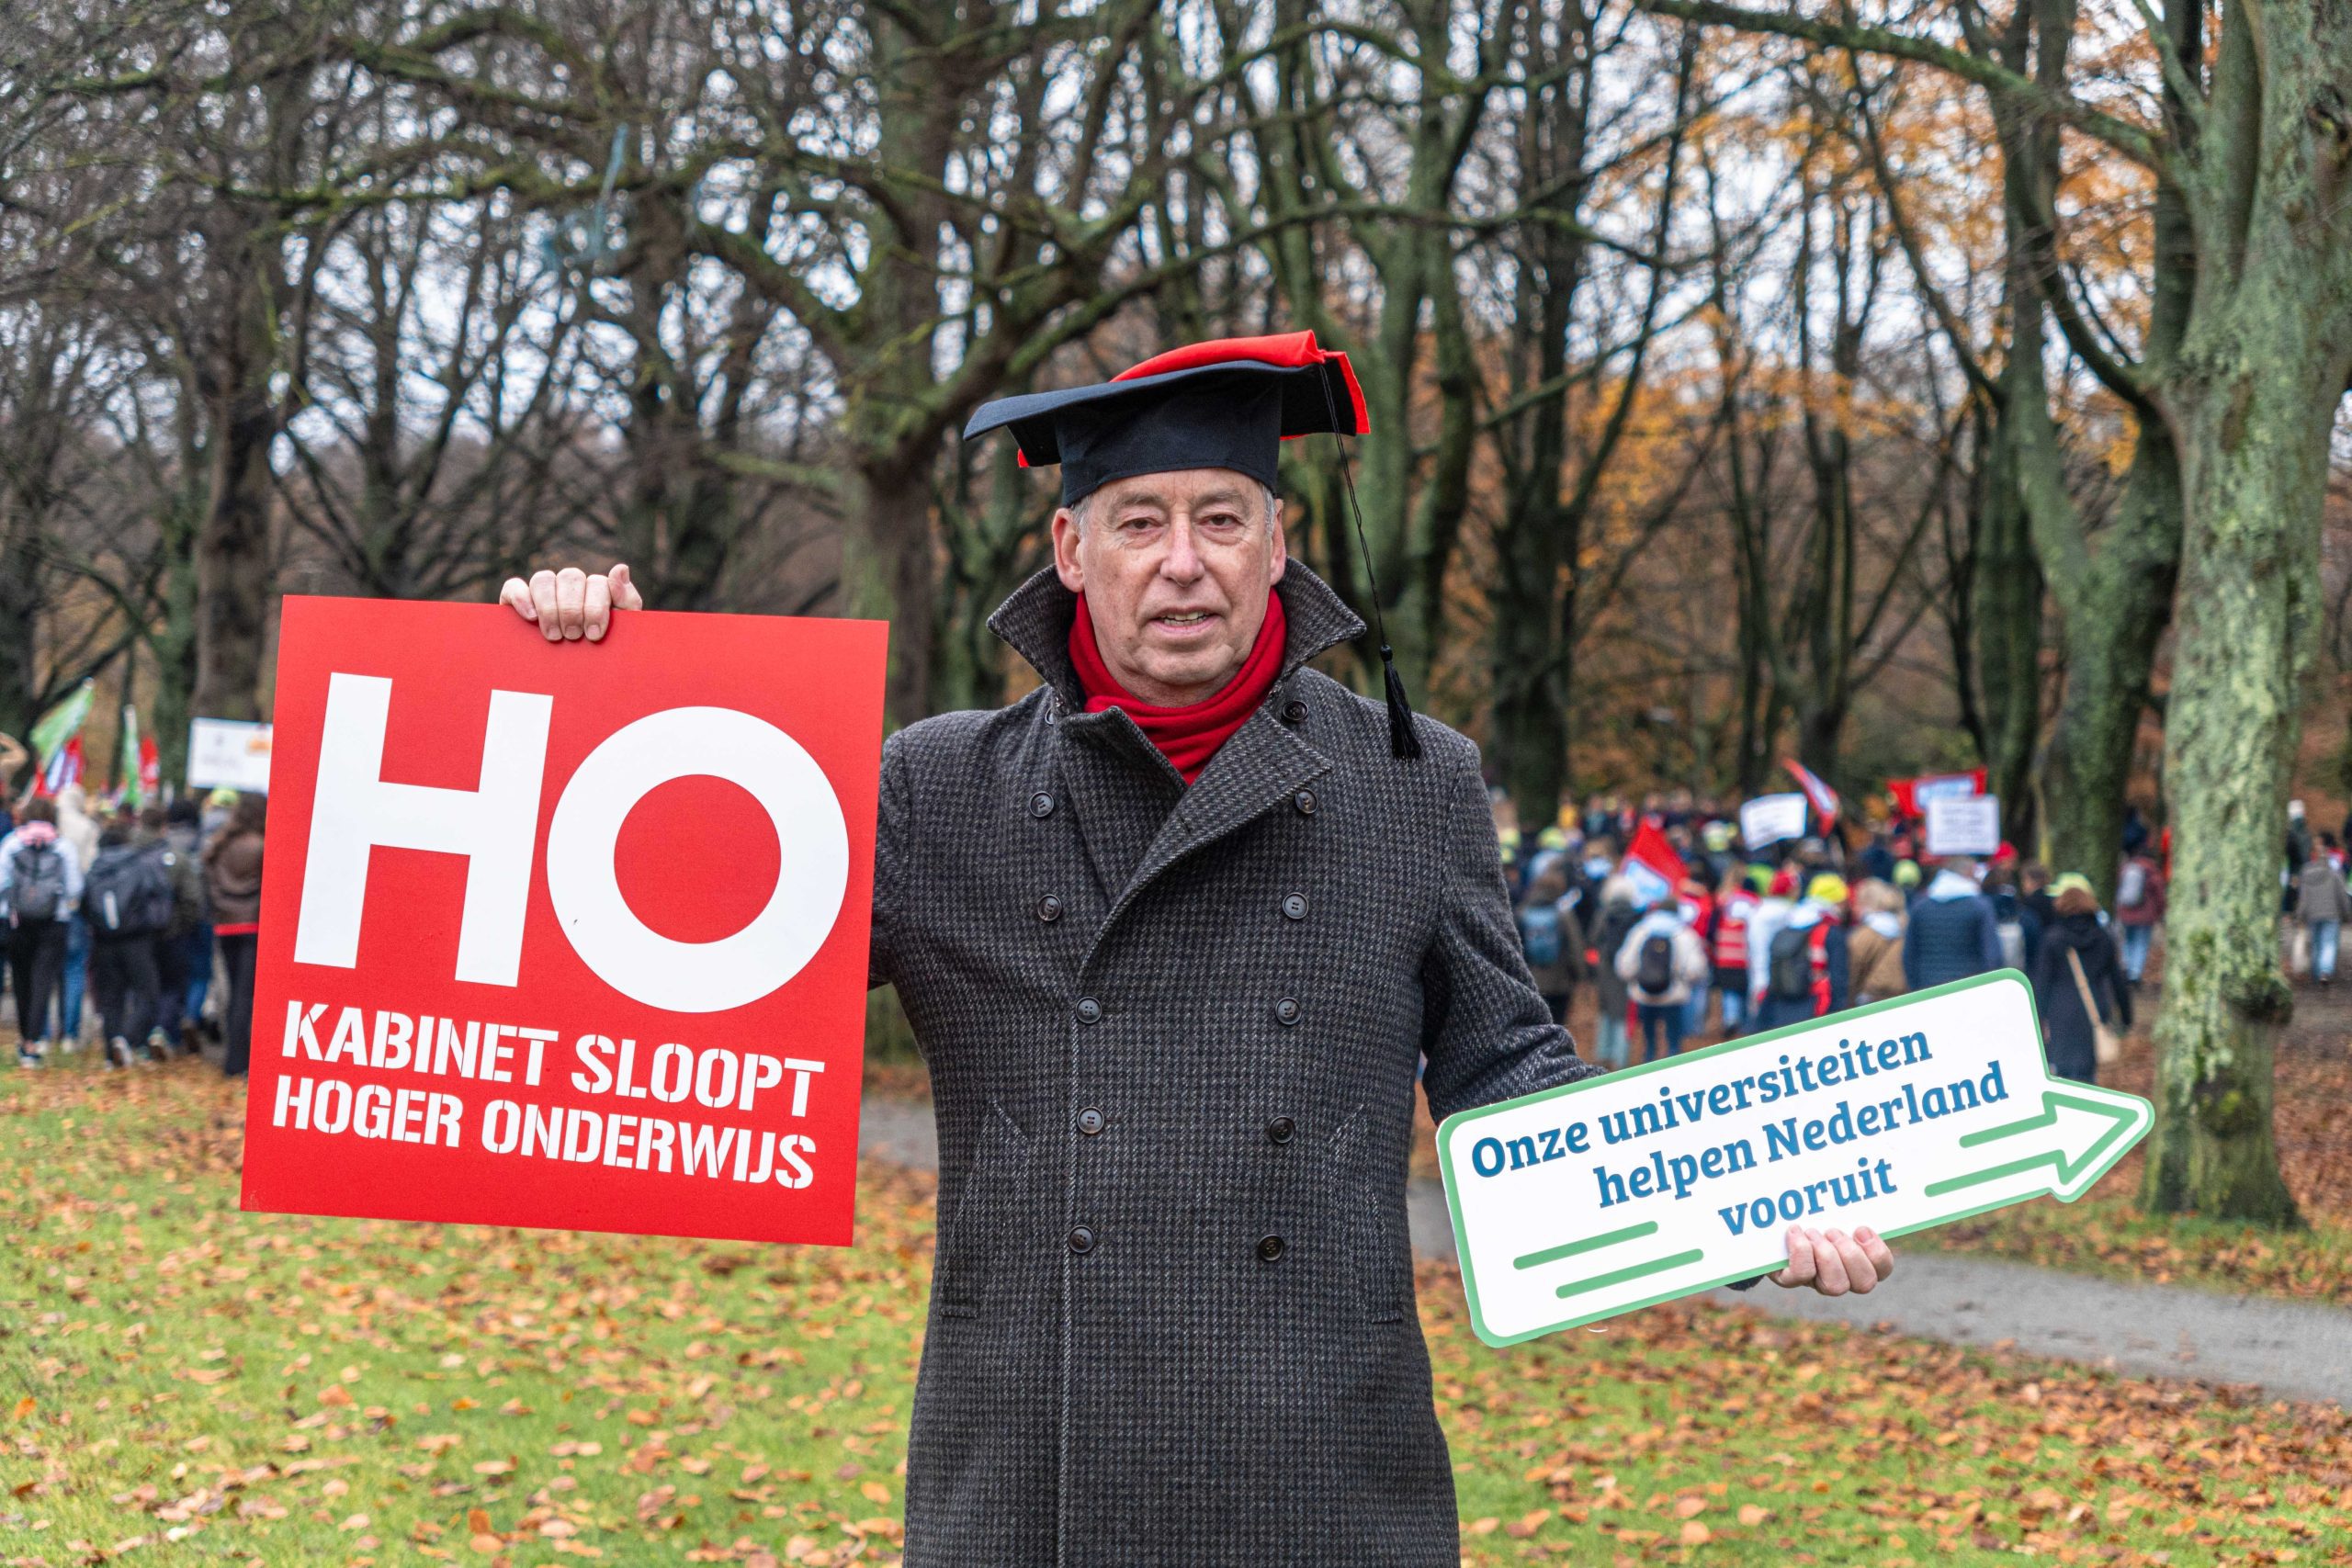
x=562 y=934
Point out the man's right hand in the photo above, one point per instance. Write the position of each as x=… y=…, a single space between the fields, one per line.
x=571 y=604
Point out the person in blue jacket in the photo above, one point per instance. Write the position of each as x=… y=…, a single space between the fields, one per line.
x=1953 y=933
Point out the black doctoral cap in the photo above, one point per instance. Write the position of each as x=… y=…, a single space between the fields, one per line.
x=1225 y=404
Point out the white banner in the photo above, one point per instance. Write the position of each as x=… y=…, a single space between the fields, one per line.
x=1964 y=824
x=226 y=753
x=1771 y=819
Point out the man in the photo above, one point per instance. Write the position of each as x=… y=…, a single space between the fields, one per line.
x=1174 y=933
x=1952 y=933
x=2323 y=905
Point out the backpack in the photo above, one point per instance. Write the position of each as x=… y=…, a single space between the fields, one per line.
x=126 y=894
x=1539 y=933
x=1790 y=968
x=2131 y=887
x=1653 y=969
x=37 y=882
x=186 y=884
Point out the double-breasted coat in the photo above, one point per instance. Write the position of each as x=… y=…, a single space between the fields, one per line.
x=1172 y=1035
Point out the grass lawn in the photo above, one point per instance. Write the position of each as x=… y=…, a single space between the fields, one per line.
x=185 y=1383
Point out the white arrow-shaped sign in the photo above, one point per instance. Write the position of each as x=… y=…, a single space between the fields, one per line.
x=1639 y=1186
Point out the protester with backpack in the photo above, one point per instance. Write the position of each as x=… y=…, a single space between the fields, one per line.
x=1552 y=937
x=232 y=888
x=40 y=881
x=2322 y=904
x=1807 y=968
x=2139 y=907
x=1661 y=959
x=169 y=837
x=1612 y=1046
x=1735 y=901
x=126 y=899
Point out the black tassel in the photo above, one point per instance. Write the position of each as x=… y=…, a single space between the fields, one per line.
x=1404 y=743
x=1402 y=740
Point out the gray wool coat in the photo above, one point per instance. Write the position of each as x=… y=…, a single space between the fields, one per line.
x=1172 y=1035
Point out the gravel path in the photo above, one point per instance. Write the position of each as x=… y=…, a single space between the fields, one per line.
x=2292 y=1349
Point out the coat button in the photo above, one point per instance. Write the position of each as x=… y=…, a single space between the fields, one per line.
x=1049 y=908
x=1090 y=1120
x=1082 y=1239
x=1295 y=906
x=1286 y=1011
x=1089 y=1010
x=1041 y=804
x=1305 y=801
x=1293 y=712
x=1281 y=1128
x=1270 y=1248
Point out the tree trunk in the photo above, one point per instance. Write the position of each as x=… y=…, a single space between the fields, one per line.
x=887 y=574
x=2006 y=603
x=2255 y=410
x=234 y=576
x=2111 y=633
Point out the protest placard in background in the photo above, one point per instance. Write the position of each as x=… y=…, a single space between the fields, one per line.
x=1639 y=1186
x=226 y=753
x=1771 y=819
x=1964 y=824
x=566 y=935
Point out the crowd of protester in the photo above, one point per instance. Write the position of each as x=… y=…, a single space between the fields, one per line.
x=119 y=922
x=1755 y=939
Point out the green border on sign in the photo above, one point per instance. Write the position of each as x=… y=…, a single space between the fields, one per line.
x=1460 y=1118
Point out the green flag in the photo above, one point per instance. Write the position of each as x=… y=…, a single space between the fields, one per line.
x=63 y=722
x=125 y=763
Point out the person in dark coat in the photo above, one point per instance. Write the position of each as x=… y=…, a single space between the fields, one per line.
x=1175 y=932
x=1952 y=933
x=232 y=892
x=2067 y=1028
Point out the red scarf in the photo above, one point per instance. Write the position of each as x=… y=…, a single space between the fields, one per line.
x=1188 y=737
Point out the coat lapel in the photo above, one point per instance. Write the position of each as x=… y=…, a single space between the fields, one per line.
x=1263 y=766
x=1121 y=793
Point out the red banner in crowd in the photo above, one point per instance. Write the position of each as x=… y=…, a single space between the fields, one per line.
x=566 y=935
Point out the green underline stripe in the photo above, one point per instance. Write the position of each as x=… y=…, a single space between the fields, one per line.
x=1656 y=1266
x=1589 y=1244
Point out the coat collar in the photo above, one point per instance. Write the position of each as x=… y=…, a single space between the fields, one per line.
x=1035 y=621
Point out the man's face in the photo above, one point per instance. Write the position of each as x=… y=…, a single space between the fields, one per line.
x=1175 y=568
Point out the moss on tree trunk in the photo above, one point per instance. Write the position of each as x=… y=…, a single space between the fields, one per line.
x=2255 y=463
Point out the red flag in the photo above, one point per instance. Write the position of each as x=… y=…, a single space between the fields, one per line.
x=1817 y=789
x=1911 y=794
x=1651 y=865
x=151 y=769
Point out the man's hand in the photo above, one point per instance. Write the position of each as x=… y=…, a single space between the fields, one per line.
x=1833 y=1262
x=571 y=605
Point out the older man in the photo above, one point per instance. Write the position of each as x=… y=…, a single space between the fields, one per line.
x=1175 y=932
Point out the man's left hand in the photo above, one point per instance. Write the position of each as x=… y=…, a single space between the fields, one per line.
x=1834 y=1263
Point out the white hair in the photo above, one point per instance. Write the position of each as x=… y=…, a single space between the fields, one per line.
x=1078 y=511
